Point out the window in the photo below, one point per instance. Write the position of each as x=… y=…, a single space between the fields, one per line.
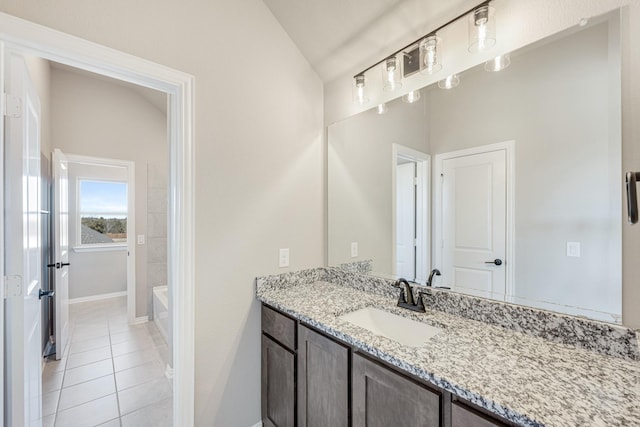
x=102 y=212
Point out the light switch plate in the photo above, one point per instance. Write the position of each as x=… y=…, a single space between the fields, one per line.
x=284 y=258
x=354 y=249
x=141 y=239
x=573 y=249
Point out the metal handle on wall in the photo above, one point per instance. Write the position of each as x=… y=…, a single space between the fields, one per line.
x=632 y=196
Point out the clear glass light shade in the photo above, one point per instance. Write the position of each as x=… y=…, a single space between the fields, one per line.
x=359 y=90
x=450 y=82
x=382 y=108
x=482 y=29
x=498 y=63
x=391 y=74
x=411 y=97
x=430 y=59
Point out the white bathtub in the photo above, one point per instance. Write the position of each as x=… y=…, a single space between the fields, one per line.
x=161 y=310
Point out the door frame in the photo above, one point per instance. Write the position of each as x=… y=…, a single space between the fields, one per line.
x=131 y=224
x=423 y=163
x=509 y=148
x=33 y=39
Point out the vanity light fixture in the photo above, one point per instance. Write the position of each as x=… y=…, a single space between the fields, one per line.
x=424 y=54
x=391 y=74
x=450 y=82
x=411 y=97
x=382 y=108
x=482 y=29
x=430 y=61
x=498 y=63
x=359 y=94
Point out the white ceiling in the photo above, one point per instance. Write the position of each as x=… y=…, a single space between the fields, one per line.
x=344 y=36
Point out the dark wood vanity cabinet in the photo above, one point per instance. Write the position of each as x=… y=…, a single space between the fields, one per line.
x=323 y=380
x=383 y=398
x=278 y=373
x=310 y=379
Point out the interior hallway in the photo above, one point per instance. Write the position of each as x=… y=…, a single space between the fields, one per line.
x=113 y=373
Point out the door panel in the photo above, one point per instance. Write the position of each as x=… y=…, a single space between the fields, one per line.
x=61 y=251
x=474 y=223
x=405 y=221
x=23 y=246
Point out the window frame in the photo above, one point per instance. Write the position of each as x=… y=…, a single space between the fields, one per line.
x=98 y=247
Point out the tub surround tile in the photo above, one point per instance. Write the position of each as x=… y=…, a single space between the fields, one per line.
x=513 y=372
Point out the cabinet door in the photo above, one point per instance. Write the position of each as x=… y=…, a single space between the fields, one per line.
x=323 y=381
x=278 y=385
x=382 y=398
x=464 y=417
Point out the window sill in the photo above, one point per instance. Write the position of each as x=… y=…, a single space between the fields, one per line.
x=100 y=248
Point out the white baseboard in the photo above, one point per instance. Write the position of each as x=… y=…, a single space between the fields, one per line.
x=98 y=297
x=138 y=320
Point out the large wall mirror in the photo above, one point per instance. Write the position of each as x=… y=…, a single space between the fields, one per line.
x=509 y=184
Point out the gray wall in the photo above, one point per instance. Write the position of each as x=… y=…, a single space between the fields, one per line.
x=259 y=174
x=555 y=102
x=93 y=273
x=359 y=180
x=95 y=117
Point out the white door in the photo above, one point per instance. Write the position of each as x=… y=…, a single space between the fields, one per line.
x=406 y=221
x=474 y=191
x=61 y=250
x=23 y=241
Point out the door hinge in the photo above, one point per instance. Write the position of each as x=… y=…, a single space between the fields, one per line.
x=12 y=286
x=12 y=105
x=415 y=180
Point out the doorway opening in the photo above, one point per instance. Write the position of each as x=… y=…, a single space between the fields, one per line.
x=411 y=256
x=24 y=38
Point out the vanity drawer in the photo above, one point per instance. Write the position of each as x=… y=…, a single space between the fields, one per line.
x=279 y=327
x=465 y=417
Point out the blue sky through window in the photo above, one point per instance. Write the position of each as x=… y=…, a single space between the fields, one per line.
x=103 y=198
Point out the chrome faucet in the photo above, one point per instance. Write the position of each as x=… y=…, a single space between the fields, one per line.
x=434 y=272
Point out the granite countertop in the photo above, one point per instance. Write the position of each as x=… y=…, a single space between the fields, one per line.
x=525 y=379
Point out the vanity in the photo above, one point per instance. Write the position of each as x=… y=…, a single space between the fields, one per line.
x=509 y=186
x=536 y=369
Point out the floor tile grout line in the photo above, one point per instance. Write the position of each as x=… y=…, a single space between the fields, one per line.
x=113 y=368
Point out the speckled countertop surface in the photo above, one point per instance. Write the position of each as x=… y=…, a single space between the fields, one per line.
x=526 y=379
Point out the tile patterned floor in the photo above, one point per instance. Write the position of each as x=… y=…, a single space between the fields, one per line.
x=113 y=373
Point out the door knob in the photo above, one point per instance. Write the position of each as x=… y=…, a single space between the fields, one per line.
x=496 y=261
x=42 y=293
x=64 y=264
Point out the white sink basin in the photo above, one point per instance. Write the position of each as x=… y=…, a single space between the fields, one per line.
x=397 y=328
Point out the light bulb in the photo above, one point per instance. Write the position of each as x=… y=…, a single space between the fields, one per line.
x=359 y=94
x=498 y=63
x=391 y=74
x=482 y=32
x=382 y=108
x=411 y=97
x=430 y=55
x=450 y=82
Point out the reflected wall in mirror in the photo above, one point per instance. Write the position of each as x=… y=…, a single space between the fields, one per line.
x=509 y=184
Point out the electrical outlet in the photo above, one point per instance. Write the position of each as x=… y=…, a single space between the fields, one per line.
x=141 y=239
x=573 y=249
x=284 y=258
x=354 y=249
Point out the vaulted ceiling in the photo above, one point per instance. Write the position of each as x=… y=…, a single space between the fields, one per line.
x=341 y=36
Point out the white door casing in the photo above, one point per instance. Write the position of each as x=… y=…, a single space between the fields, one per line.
x=61 y=250
x=422 y=164
x=23 y=245
x=474 y=220
x=406 y=221
x=24 y=36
